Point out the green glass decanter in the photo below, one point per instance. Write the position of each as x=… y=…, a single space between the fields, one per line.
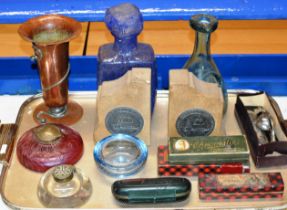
x=201 y=63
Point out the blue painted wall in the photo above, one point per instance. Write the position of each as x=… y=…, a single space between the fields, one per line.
x=261 y=72
x=17 y=11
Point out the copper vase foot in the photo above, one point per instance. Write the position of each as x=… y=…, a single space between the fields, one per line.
x=73 y=114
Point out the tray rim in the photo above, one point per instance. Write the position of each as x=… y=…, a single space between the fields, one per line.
x=160 y=94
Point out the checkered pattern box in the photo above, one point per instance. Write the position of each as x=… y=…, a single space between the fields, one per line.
x=237 y=187
x=171 y=169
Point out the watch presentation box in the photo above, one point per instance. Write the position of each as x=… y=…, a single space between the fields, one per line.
x=166 y=168
x=269 y=154
x=236 y=187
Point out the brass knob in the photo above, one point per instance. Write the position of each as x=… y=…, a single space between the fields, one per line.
x=63 y=173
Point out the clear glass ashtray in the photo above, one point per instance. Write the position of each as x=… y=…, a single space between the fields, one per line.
x=120 y=155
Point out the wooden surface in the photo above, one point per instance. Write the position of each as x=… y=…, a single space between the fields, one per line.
x=232 y=37
x=171 y=37
x=13 y=45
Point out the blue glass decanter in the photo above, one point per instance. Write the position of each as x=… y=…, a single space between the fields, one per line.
x=114 y=59
x=201 y=63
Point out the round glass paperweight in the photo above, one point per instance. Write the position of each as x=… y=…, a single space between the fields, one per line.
x=64 y=186
x=120 y=155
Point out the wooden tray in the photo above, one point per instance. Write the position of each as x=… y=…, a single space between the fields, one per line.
x=19 y=185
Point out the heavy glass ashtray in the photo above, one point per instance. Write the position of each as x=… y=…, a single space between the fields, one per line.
x=120 y=155
x=64 y=186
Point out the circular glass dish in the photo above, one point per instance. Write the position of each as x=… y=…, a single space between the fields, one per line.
x=120 y=155
x=64 y=186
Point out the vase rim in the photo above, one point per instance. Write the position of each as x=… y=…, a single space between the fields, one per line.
x=50 y=22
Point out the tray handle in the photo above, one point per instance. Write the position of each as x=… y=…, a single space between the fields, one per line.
x=7 y=139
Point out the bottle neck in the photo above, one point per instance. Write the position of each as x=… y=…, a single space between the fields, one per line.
x=202 y=44
x=124 y=45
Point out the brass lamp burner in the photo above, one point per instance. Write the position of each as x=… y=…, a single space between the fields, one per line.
x=47 y=133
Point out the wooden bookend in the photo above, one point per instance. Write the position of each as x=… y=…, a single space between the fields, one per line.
x=195 y=107
x=124 y=106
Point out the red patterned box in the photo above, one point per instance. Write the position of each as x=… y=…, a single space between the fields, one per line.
x=234 y=187
x=170 y=169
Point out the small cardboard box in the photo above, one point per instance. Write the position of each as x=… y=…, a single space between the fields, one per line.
x=208 y=149
x=124 y=106
x=269 y=154
x=191 y=102
x=172 y=169
x=235 y=187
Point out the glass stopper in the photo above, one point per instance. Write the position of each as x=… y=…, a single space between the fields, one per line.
x=124 y=20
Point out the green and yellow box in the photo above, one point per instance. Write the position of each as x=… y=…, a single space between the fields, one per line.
x=208 y=149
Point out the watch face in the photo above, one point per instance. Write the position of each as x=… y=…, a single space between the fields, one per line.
x=124 y=120
x=195 y=122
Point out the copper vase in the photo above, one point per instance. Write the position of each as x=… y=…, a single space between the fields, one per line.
x=50 y=35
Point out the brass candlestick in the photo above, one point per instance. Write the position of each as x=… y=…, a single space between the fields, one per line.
x=50 y=35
